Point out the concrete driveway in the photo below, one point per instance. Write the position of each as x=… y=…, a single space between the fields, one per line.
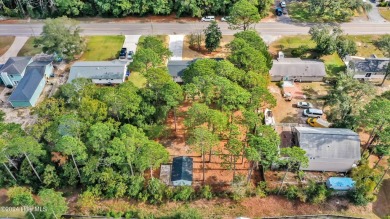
x=176 y=46
x=374 y=15
x=131 y=42
x=14 y=49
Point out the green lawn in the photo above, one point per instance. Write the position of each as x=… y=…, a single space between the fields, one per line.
x=385 y=13
x=163 y=38
x=333 y=62
x=101 y=48
x=138 y=79
x=5 y=43
x=29 y=49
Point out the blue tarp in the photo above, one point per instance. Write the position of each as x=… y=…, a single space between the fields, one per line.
x=340 y=183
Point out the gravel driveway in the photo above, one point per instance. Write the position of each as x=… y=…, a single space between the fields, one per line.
x=176 y=46
x=374 y=15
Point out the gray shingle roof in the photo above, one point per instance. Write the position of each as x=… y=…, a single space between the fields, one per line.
x=29 y=83
x=98 y=70
x=297 y=67
x=182 y=168
x=176 y=68
x=329 y=143
x=15 y=65
x=369 y=64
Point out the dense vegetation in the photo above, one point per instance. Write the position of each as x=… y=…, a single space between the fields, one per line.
x=74 y=8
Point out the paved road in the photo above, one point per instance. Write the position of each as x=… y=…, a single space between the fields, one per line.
x=14 y=49
x=269 y=28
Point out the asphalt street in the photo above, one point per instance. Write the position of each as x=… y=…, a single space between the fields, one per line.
x=269 y=28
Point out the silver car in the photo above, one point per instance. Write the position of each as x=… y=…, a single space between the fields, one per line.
x=304 y=105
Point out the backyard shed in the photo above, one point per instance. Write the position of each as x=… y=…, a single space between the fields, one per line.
x=340 y=183
x=182 y=171
x=296 y=69
x=100 y=72
x=328 y=149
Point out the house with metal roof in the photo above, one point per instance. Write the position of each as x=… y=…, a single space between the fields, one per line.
x=181 y=174
x=328 y=149
x=30 y=87
x=176 y=69
x=367 y=68
x=340 y=183
x=296 y=69
x=101 y=72
x=12 y=72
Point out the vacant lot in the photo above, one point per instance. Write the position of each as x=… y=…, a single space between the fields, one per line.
x=385 y=13
x=29 y=48
x=300 y=11
x=193 y=52
x=286 y=44
x=102 y=48
x=5 y=43
x=366 y=45
x=163 y=38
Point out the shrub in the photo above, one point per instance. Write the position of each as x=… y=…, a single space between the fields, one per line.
x=291 y=192
x=155 y=191
x=206 y=192
x=136 y=186
x=184 y=193
x=20 y=196
x=316 y=193
x=261 y=190
x=188 y=213
x=298 y=52
x=239 y=189
x=279 y=84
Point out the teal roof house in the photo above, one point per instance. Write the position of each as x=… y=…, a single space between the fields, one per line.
x=12 y=72
x=28 y=90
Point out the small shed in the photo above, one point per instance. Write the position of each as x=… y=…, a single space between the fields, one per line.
x=165 y=174
x=182 y=171
x=340 y=183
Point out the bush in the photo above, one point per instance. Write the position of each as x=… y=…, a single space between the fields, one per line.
x=316 y=193
x=279 y=84
x=261 y=190
x=20 y=196
x=188 y=213
x=155 y=191
x=136 y=186
x=239 y=189
x=298 y=52
x=206 y=192
x=291 y=192
x=184 y=193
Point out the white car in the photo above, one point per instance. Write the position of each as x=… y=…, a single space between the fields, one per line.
x=225 y=19
x=304 y=105
x=208 y=19
x=269 y=117
x=283 y=4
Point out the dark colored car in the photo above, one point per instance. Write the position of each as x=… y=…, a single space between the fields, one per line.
x=122 y=53
x=278 y=11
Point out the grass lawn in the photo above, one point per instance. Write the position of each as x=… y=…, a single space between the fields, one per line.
x=29 y=49
x=366 y=45
x=101 y=48
x=137 y=79
x=385 y=13
x=332 y=62
x=5 y=43
x=163 y=38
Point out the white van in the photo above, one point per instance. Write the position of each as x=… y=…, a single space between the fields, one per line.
x=315 y=113
x=208 y=19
